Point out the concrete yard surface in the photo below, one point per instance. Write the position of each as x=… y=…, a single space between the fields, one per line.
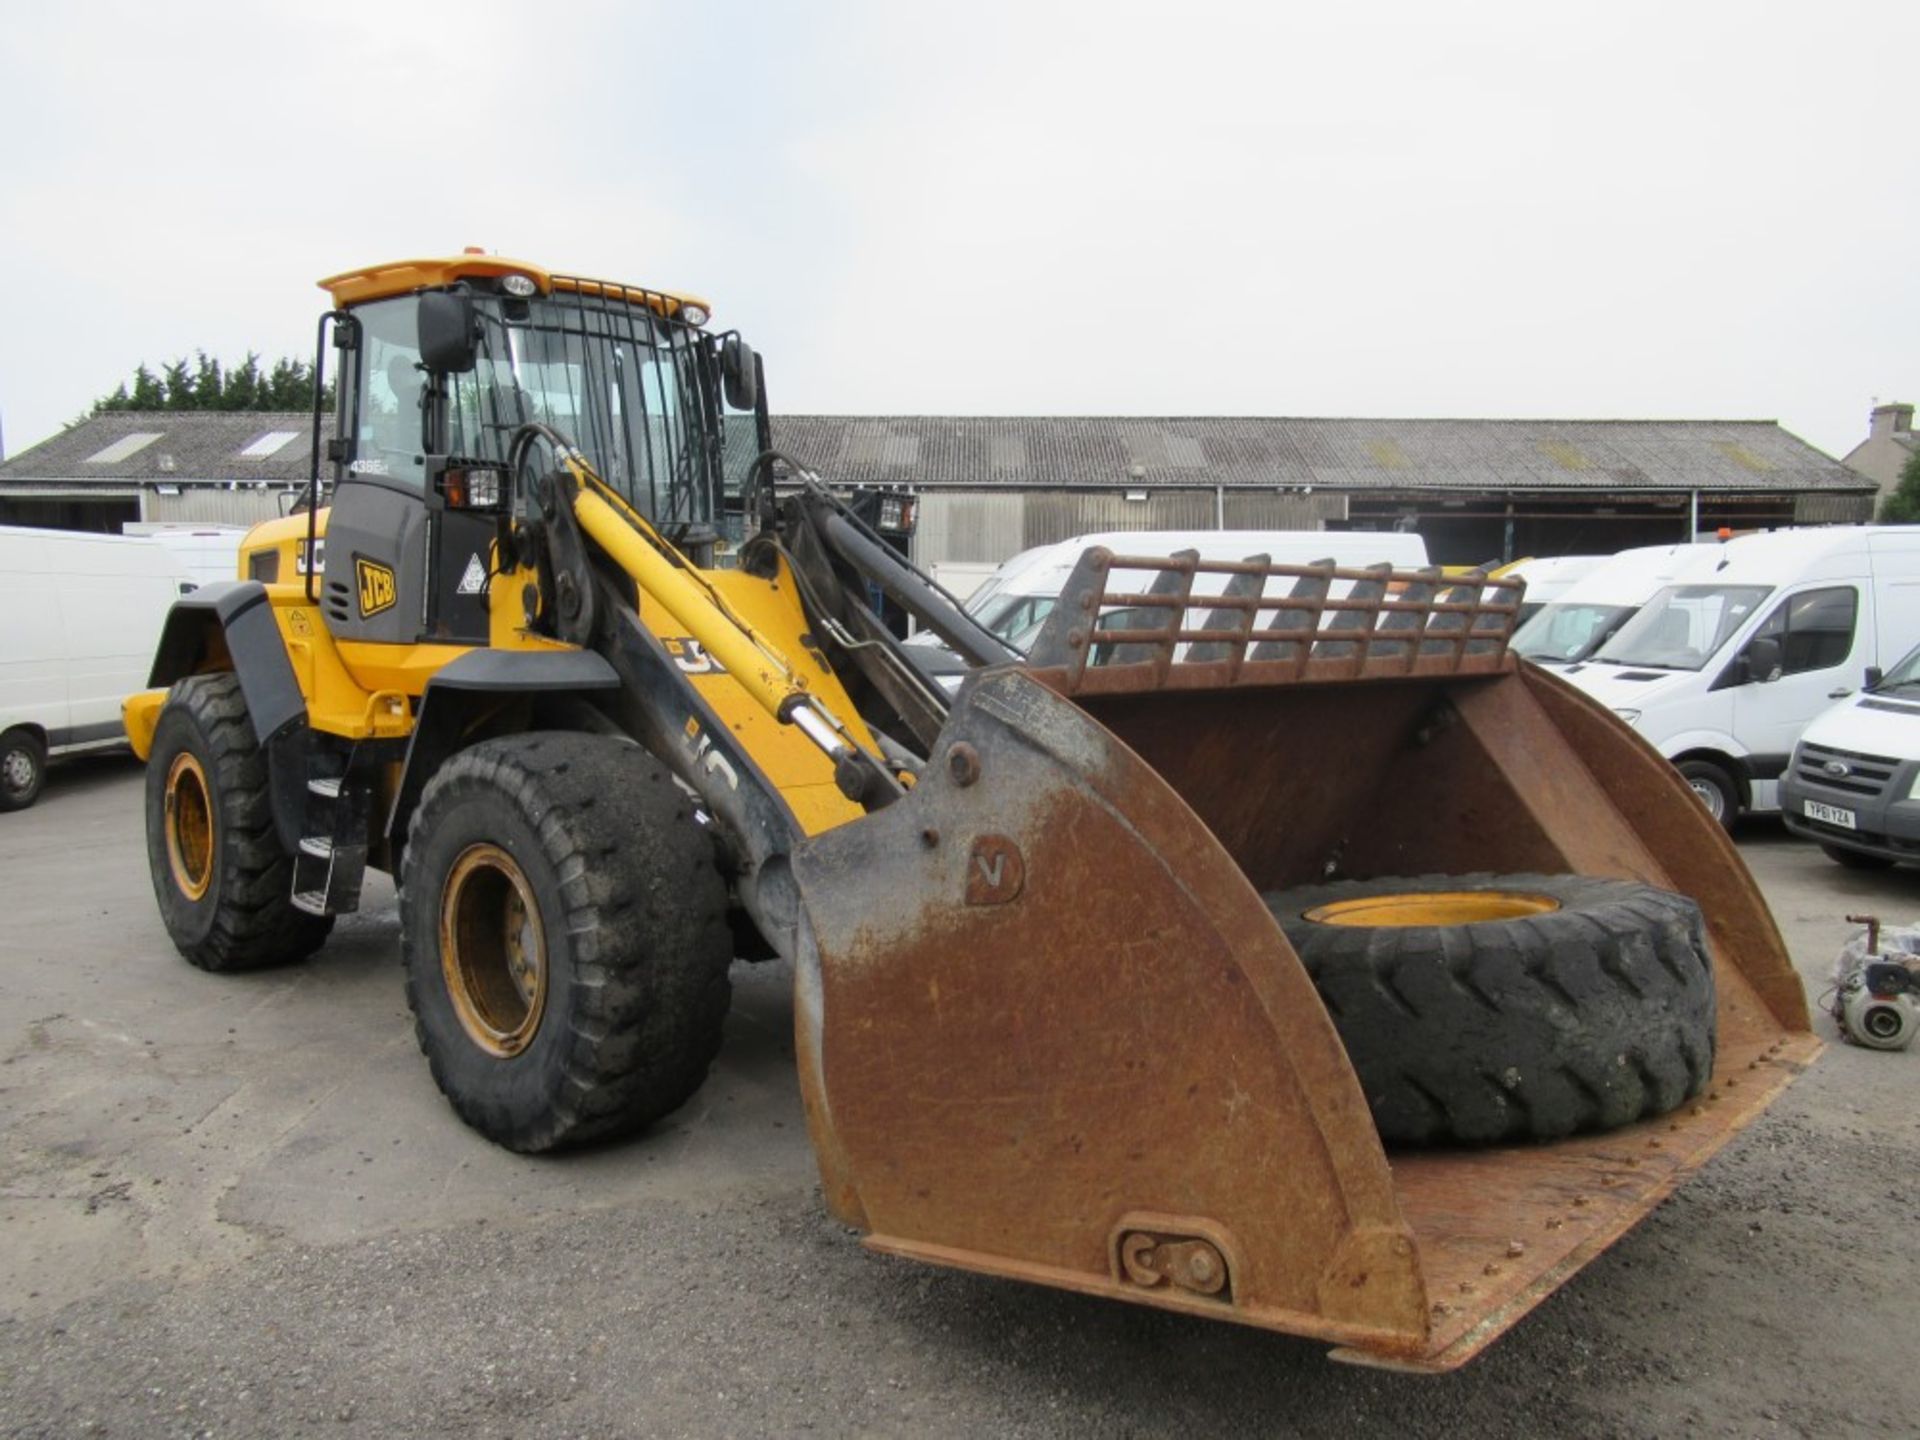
x=237 y=1206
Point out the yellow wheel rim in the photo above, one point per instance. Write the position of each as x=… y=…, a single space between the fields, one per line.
x=1433 y=907
x=189 y=826
x=493 y=950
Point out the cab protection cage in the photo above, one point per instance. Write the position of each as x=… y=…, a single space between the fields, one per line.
x=617 y=371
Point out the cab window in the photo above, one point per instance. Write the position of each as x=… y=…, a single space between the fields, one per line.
x=387 y=411
x=1814 y=628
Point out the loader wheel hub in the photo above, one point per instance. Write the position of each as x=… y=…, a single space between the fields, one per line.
x=189 y=826
x=493 y=951
x=1443 y=907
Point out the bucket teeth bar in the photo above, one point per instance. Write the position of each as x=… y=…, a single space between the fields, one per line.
x=1127 y=623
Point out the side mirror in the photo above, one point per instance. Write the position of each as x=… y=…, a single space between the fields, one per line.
x=1763 y=658
x=740 y=373
x=1874 y=676
x=449 y=332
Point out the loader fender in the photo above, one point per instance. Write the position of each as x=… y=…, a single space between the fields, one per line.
x=229 y=625
x=466 y=691
x=236 y=617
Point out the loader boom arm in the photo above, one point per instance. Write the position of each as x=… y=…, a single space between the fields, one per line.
x=755 y=664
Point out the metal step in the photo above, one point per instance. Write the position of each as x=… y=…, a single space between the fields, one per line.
x=332 y=858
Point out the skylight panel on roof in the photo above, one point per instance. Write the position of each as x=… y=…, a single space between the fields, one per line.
x=124 y=448
x=269 y=443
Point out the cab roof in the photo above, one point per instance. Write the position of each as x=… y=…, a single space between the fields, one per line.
x=407 y=277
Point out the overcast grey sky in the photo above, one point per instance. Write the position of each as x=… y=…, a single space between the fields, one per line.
x=1513 y=209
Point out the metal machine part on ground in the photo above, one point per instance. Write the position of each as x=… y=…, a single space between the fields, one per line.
x=557 y=654
x=1876 y=985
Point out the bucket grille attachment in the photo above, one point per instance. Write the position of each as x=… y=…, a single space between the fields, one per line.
x=1129 y=622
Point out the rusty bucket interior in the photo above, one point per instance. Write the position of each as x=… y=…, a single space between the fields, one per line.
x=1048 y=1029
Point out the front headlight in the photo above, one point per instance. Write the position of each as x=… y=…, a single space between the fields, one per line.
x=1632 y=717
x=1913 y=790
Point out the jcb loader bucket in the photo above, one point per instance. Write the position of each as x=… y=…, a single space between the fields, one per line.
x=1048 y=1029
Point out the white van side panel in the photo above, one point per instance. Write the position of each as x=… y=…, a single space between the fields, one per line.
x=83 y=614
x=204 y=553
x=112 y=624
x=1897 y=616
x=33 y=665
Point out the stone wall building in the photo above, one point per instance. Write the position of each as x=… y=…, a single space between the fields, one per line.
x=1890 y=443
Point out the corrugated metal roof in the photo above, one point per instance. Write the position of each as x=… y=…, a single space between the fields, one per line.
x=1034 y=452
x=1341 y=454
x=192 y=445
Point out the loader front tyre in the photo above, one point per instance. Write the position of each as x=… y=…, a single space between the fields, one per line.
x=564 y=929
x=222 y=879
x=1481 y=1009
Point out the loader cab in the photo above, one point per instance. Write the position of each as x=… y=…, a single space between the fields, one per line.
x=436 y=379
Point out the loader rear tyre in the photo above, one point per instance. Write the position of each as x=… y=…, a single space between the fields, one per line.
x=23 y=768
x=565 y=936
x=224 y=884
x=1481 y=1009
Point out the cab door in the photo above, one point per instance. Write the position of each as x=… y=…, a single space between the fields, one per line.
x=1822 y=648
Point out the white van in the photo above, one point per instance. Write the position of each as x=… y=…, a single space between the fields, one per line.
x=1548 y=577
x=1572 y=625
x=80 y=617
x=203 y=553
x=1724 y=668
x=1851 y=784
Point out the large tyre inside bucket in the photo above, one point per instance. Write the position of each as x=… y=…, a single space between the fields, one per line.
x=1480 y=1009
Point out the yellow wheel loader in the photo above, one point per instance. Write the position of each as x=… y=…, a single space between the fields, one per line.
x=1107 y=970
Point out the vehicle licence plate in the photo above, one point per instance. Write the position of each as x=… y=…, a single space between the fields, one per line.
x=1831 y=814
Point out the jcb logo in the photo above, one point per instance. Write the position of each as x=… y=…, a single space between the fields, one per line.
x=377 y=589
x=689 y=655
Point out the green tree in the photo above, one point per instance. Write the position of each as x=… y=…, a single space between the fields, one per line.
x=290 y=384
x=1902 y=507
x=204 y=384
x=147 y=394
x=209 y=384
x=242 y=390
x=176 y=387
